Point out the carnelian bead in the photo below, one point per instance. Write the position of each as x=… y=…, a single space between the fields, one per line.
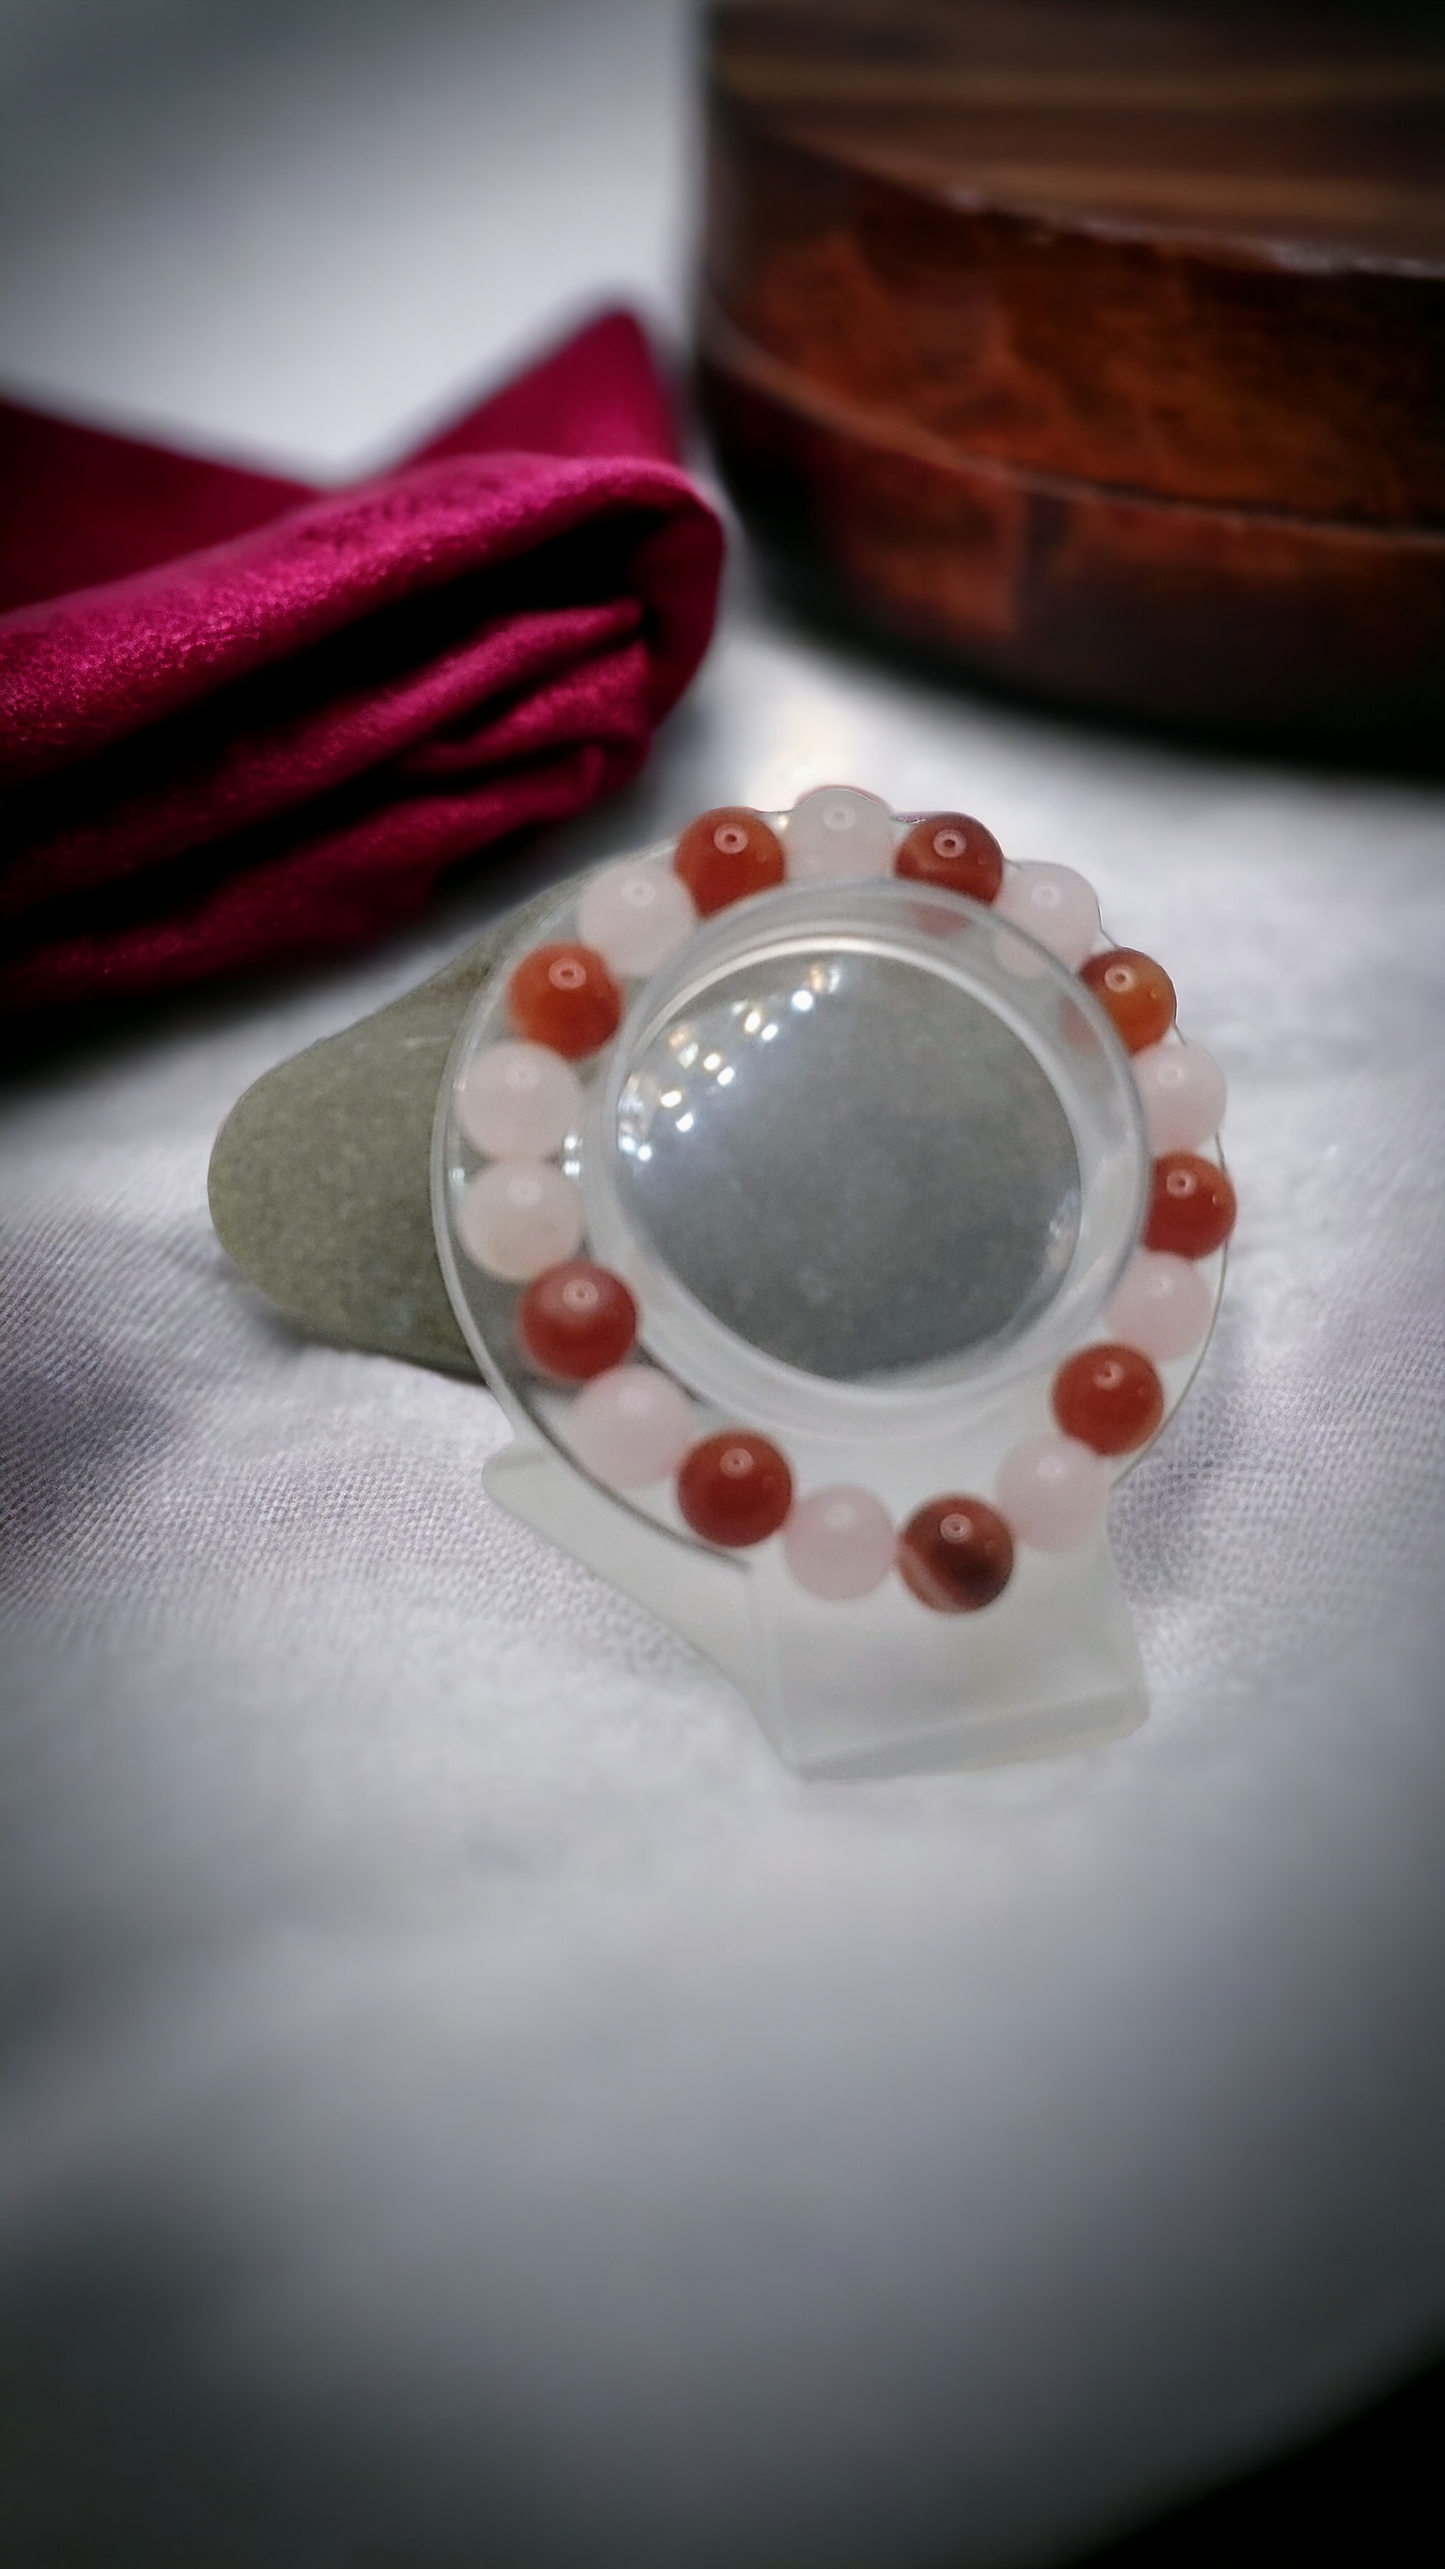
x=576 y=1320
x=565 y=997
x=956 y=1554
x=1191 y=1206
x=956 y=853
x=726 y=855
x=1135 y=991
x=735 y=1488
x=1108 y=1397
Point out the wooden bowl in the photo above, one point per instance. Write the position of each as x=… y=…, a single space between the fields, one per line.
x=1102 y=348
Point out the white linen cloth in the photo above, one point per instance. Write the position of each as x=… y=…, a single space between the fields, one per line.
x=462 y=2098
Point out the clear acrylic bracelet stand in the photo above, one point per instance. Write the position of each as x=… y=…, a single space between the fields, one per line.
x=872 y=1162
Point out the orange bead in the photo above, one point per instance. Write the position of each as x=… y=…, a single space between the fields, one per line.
x=1135 y=991
x=576 y=1320
x=726 y=855
x=956 y=1554
x=1109 y=1398
x=1191 y=1206
x=735 y=1488
x=565 y=997
x=956 y=853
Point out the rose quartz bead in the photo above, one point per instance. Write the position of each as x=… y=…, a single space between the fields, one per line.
x=630 y=1427
x=519 y=1216
x=836 y=834
x=519 y=1102
x=1054 y=1492
x=636 y=916
x=1054 y=904
x=1181 y=1089
x=1162 y=1306
x=839 y=1542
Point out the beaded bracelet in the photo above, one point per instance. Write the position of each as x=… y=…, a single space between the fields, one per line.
x=577 y=1323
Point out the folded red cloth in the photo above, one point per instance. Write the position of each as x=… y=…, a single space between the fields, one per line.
x=274 y=744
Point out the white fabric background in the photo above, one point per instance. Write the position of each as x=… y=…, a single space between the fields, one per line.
x=462 y=2098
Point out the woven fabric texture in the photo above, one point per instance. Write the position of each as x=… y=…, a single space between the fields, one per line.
x=462 y=2080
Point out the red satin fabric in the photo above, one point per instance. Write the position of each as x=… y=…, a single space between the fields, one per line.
x=285 y=714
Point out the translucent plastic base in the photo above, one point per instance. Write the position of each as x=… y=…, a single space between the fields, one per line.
x=871 y=1162
x=880 y=1687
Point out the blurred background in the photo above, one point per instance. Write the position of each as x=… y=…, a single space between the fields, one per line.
x=462 y=2103
x=297 y=229
x=1098 y=343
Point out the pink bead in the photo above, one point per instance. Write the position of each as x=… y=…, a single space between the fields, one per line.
x=836 y=834
x=839 y=1542
x=1181 y=1089
x=631 y=1427
x=1054 y=1492
x=519 y=1216
x=1054 y=904
x=1162 y=1305
x=519 y=1102
x=636 y=915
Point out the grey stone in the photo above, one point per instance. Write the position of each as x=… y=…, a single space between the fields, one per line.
x=320 y=1178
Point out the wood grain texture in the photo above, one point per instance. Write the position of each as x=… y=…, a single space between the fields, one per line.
x=1105 y=347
